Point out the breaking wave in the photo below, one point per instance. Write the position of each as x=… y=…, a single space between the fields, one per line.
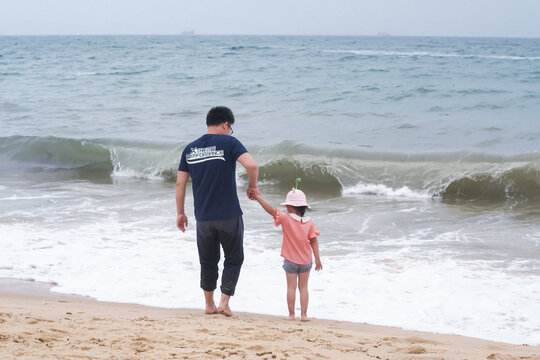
x=455 y=176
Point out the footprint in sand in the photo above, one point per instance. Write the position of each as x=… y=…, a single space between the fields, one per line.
x=416 y=350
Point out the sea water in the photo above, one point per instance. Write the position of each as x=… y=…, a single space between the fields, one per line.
x=419 y=156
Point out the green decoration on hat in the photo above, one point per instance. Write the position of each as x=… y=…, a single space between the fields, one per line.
x=297 y=181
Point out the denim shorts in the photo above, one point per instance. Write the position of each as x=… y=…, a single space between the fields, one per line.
x=293 y=268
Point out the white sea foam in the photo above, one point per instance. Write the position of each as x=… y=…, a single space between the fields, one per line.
x=383 y=190
x=433 y=54
x=15 y=197
x=120 y=172
x=85 y=73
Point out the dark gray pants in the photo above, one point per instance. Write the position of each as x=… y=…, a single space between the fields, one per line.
x=229 y=234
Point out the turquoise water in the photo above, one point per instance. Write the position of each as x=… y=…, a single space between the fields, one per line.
x=420 y=156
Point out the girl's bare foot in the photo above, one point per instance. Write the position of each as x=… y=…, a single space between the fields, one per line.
x=291 y=317
x=225 y=311
x=304 y=318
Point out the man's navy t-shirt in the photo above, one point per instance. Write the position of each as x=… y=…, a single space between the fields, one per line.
x=211 y=162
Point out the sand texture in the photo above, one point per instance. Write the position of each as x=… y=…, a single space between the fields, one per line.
x=60 y=327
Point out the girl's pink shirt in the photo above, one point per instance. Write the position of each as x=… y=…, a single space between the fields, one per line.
x=296 y=236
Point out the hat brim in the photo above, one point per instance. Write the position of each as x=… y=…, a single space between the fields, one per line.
x=294 y=204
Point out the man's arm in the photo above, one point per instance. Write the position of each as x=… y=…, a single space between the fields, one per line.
x=181 y=182
x=252 y=171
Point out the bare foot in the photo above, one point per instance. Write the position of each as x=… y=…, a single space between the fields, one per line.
x=225 y=311
x=291 y=317
x=209 y=302
x=304 y=318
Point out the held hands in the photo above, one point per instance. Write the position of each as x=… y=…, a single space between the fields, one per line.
x=181 y=222
x=253 y=192
x=318 y=264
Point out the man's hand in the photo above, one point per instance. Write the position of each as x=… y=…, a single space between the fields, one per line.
x=180 y=194
x=252 y=171
x=181 y=222
x=252 y=191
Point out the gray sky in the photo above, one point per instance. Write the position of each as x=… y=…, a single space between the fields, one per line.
x=504 y=18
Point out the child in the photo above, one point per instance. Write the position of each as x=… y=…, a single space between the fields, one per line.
x=299 y=239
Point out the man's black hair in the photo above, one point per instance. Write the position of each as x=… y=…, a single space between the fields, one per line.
x=219 y=115
x=301 y=209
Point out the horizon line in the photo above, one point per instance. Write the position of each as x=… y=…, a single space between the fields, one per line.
x=179 y=34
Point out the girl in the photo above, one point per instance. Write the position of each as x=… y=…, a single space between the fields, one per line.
x=299 y=240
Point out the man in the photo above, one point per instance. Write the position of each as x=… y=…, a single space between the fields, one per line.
x=211 y=162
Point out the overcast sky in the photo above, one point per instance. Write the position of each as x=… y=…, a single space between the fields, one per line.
x=499 y=18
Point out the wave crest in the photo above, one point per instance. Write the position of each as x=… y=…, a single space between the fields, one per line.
x=521 y=183
x=316 y=177
x=52 y=153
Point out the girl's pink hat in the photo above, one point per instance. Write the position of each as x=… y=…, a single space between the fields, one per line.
x=295 y=197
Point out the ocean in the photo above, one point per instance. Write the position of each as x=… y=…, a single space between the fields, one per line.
x=420 y=157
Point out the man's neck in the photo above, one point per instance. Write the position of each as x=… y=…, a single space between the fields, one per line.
x=216 y=130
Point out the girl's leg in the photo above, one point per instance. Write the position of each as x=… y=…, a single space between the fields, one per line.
x=291 y=293
x=304 y=294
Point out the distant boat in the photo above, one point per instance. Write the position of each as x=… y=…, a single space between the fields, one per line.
x=188 y=33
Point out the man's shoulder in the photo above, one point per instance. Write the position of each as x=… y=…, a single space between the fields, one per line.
x=225 y=139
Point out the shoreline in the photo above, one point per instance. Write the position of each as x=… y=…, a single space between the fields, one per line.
x=38 y=323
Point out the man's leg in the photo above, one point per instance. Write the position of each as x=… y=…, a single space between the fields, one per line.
x=209 y=253
x=231 y=237
x=210 y=307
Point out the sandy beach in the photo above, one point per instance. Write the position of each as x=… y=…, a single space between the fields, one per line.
x=38 y=324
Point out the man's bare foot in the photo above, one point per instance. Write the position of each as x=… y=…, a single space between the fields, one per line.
x=304 y=318
x=225 y=310
x=209 y=302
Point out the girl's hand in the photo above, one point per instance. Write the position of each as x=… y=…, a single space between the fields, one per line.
x=253 y=193
x=318 y=264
